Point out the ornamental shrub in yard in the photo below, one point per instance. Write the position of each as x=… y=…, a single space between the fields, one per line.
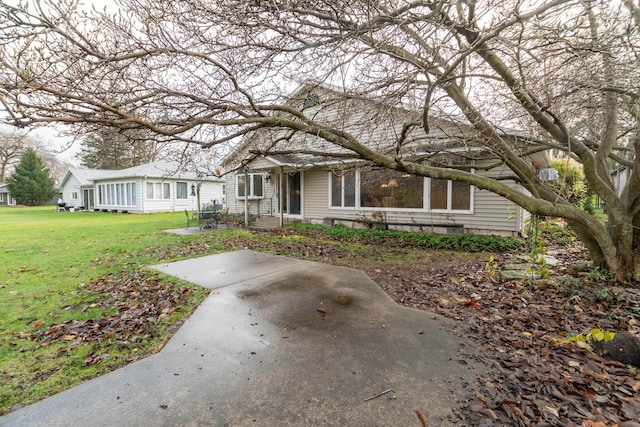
x=31 y=182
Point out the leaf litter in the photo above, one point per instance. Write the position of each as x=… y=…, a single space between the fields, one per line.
x=519 y=329
x=136 y=304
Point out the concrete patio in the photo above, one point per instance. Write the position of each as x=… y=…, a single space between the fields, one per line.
x=279 y=342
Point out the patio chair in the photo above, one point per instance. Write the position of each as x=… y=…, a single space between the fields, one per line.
x=191 y=219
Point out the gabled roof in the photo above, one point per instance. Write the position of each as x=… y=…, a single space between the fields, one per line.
x=373 y=122
x=160 y=169
x=84 y=176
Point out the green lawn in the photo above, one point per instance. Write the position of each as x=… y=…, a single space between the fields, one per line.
x=48 y=261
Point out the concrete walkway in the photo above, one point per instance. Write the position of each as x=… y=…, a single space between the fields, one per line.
x=280 y=342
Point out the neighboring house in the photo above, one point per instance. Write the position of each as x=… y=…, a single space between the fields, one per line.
x=77 y=187
x=620 y=178
x=5 y=197
x=306 y=186
x=153 y=187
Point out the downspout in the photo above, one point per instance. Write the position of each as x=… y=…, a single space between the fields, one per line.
x=281 y=195
x=246 y=197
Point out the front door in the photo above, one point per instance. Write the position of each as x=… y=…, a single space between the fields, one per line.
x=291 y=187
x=88 y=199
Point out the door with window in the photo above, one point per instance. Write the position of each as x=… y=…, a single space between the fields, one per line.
x=87 y=199
x=291 y=188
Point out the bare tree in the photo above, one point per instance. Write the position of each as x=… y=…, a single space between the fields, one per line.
x=196 y=71
x=12 y=146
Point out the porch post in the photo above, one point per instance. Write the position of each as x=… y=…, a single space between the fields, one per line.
x=283 y=188
x=246 y=197
x=199 y=208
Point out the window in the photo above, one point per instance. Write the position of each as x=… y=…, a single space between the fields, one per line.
x=119 y=193
x=387 y=188
x=123 y=194
x=158 y=190
x=181 y=190
x=439 y=194
x=131 y=193
x=449 y=195
x=3 y=198
x=343 y=190
x=74 y=195
x=256 y=187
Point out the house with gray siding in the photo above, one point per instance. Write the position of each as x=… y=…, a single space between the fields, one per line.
x=159 y=186
x=303 y=185
x=5 y=197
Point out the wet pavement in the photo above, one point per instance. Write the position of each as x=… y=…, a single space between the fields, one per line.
x=279 y=342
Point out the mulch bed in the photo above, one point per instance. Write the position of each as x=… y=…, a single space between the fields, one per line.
x=538 y=377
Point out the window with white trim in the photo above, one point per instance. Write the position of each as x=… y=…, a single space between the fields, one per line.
x=158 y=190
x=182 y=190
x=343 y=190
x=255 y=187
x=449 y=196
x=388 y=188
x=375 y=188
x=120 y=194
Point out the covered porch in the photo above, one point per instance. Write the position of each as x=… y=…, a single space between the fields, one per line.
x=269 y=189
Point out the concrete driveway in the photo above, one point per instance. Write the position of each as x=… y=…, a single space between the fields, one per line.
x=279 y=342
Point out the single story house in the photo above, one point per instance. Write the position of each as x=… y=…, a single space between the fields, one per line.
x=307 y=185
x=5 y=197
x=159 y=186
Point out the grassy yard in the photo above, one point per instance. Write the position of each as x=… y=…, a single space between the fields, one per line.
x=48 y=262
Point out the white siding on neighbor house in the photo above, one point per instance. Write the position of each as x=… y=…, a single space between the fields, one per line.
x=620 y=178
x=209 y=191
x=5 y=198
x=72 y=188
